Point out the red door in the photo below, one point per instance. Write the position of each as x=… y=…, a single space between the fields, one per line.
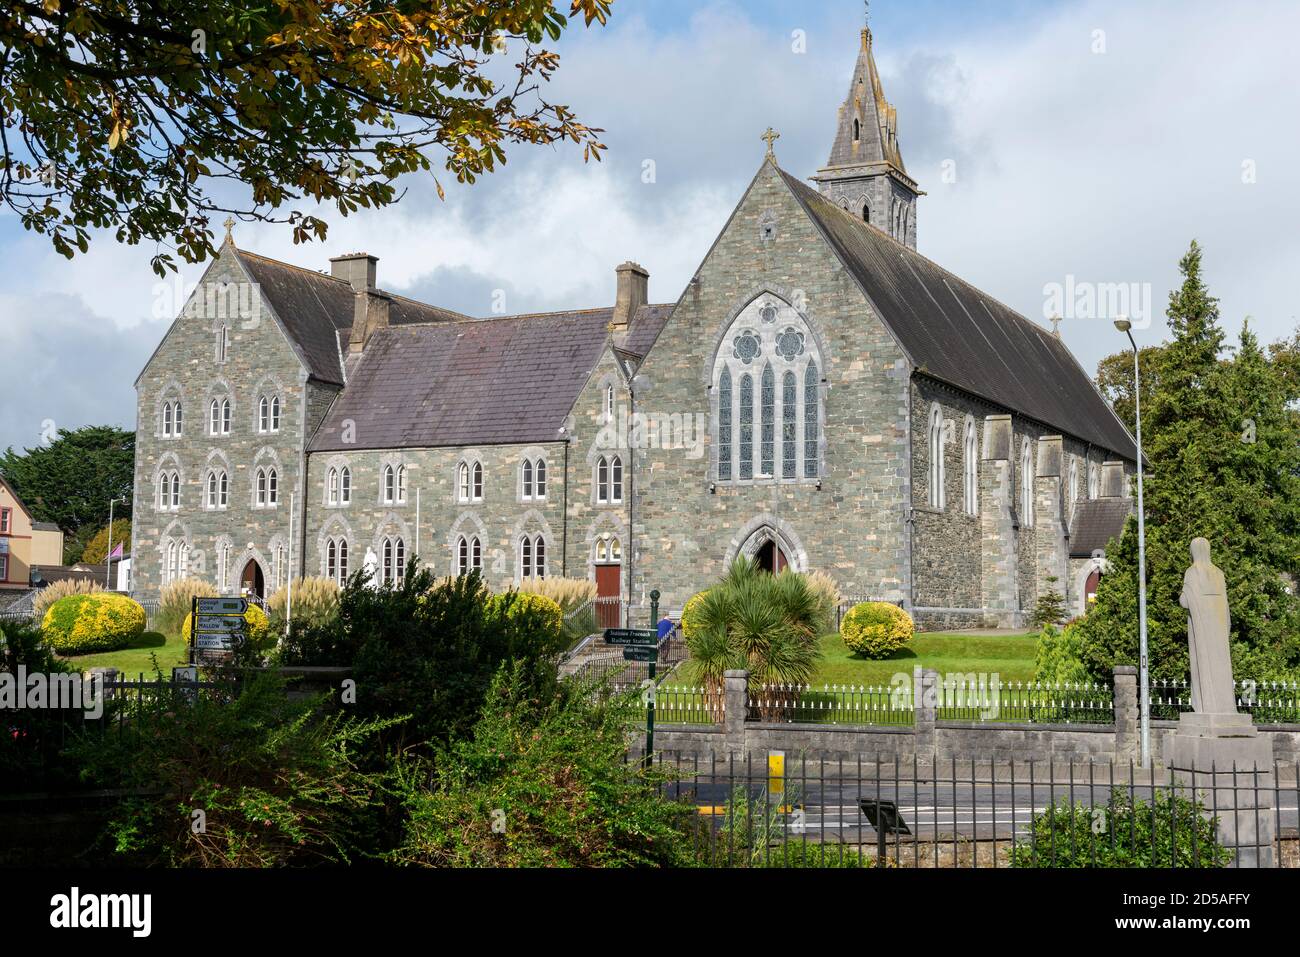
x=609 y=589
x=1090 y=590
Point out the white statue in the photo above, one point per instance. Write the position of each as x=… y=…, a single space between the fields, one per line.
x=1205 y=596
x=371 y=564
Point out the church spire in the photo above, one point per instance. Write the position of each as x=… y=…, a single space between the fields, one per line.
x=865 y=173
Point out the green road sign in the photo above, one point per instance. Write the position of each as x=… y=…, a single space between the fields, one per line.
x=219 y=624
x=640 y=654
x=222 y=606
x=631 y=636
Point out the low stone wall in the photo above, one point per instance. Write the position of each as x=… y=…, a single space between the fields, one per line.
x=928 y=739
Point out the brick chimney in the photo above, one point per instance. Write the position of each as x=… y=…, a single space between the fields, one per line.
x=633 y=293
x=370 y=306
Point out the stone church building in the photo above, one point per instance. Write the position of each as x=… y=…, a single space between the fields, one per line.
x=819 y=397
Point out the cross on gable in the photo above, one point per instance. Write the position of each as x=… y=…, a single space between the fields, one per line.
x=771 y=136
x=230 y=228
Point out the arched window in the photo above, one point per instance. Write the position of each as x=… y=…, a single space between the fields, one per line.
x=336 y=560
x=332 y=487
x=462 y=482
x=165 y=490
x=214 y=417
x=616 y=479
x=176 y=490
x=469 y=555
x=225 y=416
x=866 y=214
x=540 y=474
x=167 y=418
x=526 y=479
x=275 y=413
x=525 y=558
x=390 y=485
x=394 y=562
x=609 y=403
x=857 y=130
x=539 y=557
x=183 y=560
x=1027 y=484
x=1072 y=491
x=602 y=480
x=212 y=490
x=615 y=550
x=936 y=458
x=724 y=426
x=602 y=551
x=178 y=428
x=345 y=485
x=767 y=431
x=1093 y=481
x=478 y=481
x=170 y=565
x=223 y=343
x=972 y=469
x=264 y=414
x=767 y=378
x=401 y=484
x=272 y=487
x=223 y=566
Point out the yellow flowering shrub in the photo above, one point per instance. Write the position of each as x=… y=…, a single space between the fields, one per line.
x=81 y=624
x=876 y=629
x=545 y=613
x=690 y=614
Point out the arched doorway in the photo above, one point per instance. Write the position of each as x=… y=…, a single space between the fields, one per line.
x=770 y=558
x=1090 y=589
x=251 y=580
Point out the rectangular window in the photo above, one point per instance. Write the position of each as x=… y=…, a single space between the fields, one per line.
x=4 y=521
x=4 y=567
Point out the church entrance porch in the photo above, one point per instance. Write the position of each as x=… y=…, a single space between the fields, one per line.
x=770 y=558
x=252 y=583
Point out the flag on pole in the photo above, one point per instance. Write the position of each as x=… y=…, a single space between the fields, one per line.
x=117 y=552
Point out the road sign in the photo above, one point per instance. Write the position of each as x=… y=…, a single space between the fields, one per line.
x=631 y=636
x=640 y=654
x=222 y=606
x=217 y=642
x=219 y=624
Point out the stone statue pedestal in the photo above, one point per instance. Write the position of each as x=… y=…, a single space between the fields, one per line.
x=1221 y=760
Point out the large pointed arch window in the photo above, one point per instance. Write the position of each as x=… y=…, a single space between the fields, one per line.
x=970 y=446
x=767 y=379
x=1027 y=484
x=935 y=459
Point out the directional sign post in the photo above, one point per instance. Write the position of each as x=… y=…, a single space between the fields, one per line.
x=642 y=644
x=633 y=636
x=217 y=625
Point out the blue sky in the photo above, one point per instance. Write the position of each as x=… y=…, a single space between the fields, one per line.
x=1049 y=156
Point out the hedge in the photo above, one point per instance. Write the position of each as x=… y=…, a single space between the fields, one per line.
x=82 y=624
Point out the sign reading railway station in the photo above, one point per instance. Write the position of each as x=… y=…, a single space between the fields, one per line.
x=632 y=636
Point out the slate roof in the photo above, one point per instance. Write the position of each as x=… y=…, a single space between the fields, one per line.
x=45 y=527
x=1097 y=523
x=511 y=380
x=957 y=334
x=315 y=307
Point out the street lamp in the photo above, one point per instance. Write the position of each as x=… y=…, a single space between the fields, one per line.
x=108 y=557
x=1126 y=327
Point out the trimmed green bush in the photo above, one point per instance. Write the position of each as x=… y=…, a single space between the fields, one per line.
x=81 y=624
x=1058 y=657
x=257 y=628
x=876 y=629
x=539 y=614
x=691 y=614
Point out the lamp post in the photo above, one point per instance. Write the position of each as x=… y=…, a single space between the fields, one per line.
x=108 y=558
x=1126 y=327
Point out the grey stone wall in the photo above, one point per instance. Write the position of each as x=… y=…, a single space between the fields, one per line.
x=260 y=360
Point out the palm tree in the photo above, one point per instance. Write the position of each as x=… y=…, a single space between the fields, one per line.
x=766 y=624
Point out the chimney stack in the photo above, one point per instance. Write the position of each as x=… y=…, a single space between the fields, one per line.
x=356 y=268
x=633 y=293
x=370 y=306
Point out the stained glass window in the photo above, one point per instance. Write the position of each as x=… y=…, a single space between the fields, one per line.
x=747 y=347
x=746 y=427
x=789 y=438
x=789 y=344
x=810 y=434
x=724 y=426
x=767 y=427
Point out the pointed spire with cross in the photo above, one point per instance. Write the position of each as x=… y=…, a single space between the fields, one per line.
x=771 y=136
x=230 y=229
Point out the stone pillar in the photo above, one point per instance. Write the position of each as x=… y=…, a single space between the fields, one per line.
x=737 y=710
x=997 y=532
x=1222 y=761
x=925 y=704
x=1050 y=553
x=1127 y=717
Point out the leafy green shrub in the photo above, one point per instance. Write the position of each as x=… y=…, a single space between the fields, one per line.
x=876 y=629
x=48 y=595
x=535 y=613
x=80 y=624
x=175 y=601
x=1058 y=657
x=257 y=629
x=554 y=780
x=277 y=781
x=1172 y=831
x=1050 y=607
x=33 y=738
x=315 y=602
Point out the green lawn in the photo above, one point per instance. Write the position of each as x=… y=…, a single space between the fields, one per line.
x=135 y=658
x=1009 y=656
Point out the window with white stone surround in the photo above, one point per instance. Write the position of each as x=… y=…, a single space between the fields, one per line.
x=767 y=396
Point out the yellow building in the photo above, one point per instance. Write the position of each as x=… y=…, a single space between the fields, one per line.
x=23 y=542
